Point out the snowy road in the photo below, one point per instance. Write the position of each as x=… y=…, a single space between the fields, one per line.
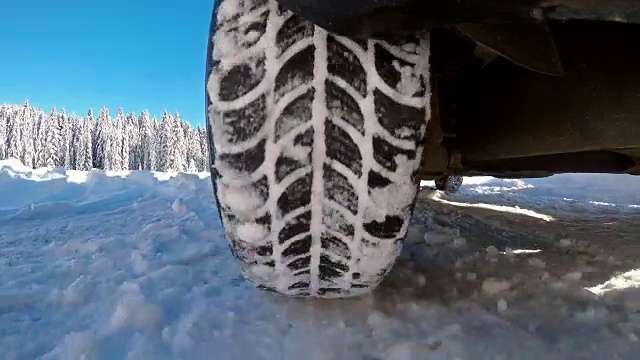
x=135 y=266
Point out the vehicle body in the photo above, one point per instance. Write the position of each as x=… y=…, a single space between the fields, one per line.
x=504 y=88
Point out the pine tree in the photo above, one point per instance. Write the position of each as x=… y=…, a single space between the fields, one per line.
x=4 y=118
x=120 y=143
x=84 y=154
x=38 y=138
x=133 y=132
x=147 y=143
x=166 y=143
x=94 y=136
x=27 y=130
x=74 y=140
x=155 y=144
x=64 y=132
x=101 y=138
x=48 y=152
x=111 y=148
x=203 y=149
x=14 y=135
x=180 y=146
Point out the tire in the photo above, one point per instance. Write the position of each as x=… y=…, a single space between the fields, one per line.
x=449 y=184
x=315 y=141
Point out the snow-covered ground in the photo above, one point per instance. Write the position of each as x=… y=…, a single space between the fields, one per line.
x=134 y=265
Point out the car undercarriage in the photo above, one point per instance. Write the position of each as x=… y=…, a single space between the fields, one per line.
x=502 y=119
x=520 y=88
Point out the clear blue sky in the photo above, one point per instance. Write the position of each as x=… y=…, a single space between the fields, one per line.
x=77 y=54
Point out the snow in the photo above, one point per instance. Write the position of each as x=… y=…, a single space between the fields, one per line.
x=410 y=79
x=134 y=265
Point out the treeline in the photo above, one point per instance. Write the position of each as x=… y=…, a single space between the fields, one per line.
x=125 y=142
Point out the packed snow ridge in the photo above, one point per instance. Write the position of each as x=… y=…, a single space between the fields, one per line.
x=134 y=265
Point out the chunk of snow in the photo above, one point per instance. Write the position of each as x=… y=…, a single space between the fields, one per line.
x=434 y=238
x=133 y=310
x=297 y=152
x=410 y=79
x=502 y=305
x=401 y=351
x=565 y=243
x=537 y=262
x=252 y=233
x=179 y=206
x=459 y=242
x=76 y=346
x=243 y=201
x=492 y=252
x=572 y=276
x=493 y=286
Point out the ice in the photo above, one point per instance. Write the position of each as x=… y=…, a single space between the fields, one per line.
x=102 y=266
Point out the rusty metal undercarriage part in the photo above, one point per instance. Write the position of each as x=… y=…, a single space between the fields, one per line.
x=492 y=116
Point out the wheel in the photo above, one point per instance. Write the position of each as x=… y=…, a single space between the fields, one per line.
x=449 y=184
x=315 y=141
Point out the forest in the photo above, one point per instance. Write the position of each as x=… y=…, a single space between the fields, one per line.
x=124 y=142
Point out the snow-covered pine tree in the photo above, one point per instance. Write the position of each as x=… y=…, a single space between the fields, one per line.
x=49 y=140
x=180 y=161
x=203 y=149
x=155 y=128
x=26 y=122
x=189 y=150
x=119 y=143
x=133 y=133
x=94 y=136
x=4 y=118
x=64 y=131
x=38 y=137
x=194 y=150
x=115 y=142
x=75 y=130
x=101 y=138
x=112 y=153
x=146 y=140
x=14 y=135
x=154 y=144
x=166 y=142
x=84 y=159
